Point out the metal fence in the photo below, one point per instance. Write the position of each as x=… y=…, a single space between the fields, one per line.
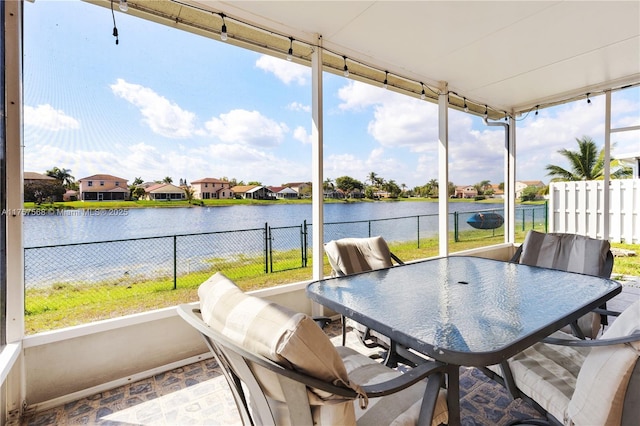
x=97 y=273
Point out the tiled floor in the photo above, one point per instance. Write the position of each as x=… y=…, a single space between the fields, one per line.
x=198 y=395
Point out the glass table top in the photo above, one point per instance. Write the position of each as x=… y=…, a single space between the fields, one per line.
x=464 y=310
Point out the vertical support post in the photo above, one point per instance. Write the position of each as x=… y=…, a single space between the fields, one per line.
x=443 y=169
x=455 y=226
x=533 y=218
x=266 y=247
x=510 y=183
x=317 y=165
x=175 y=262
x=13 y=186
x=546 y=216
x=607 y=167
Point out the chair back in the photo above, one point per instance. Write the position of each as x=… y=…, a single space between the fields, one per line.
x=352 y=255
x=567 y=252
x=281 y=367
x=608 y=385
x=573 y=253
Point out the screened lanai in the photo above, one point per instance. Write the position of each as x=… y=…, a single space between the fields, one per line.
x=498 y=60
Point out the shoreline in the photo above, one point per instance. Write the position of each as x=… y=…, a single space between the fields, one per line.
x=116 y=207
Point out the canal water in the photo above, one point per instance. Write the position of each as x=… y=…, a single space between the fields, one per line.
x=89 y=225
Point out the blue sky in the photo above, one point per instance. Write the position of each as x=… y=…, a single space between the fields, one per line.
x=168 y=103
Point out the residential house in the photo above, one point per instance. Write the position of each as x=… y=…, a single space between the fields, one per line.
x=103 y=188
x=211 y=188
x=497 y=192
x=39 y=187
x=252 y=192
x=283 y=192
x=33 y=177
x=522 y=184
x=302 y=188
x=164 y=191
x=468 y=191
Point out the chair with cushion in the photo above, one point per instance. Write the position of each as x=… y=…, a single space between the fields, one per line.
x=573 y=253
x=283 y=370
x=585 y=382
x=353 y=255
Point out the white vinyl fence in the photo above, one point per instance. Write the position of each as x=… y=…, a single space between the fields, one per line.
x=577 y=208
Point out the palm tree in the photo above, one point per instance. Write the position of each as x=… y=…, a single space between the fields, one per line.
x=373 y=178
x=167 y=179
x=62 y=175
x=586 y=163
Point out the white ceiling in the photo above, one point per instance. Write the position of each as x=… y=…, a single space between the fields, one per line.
x=512 y=55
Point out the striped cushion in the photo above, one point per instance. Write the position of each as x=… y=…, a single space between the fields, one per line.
x=604 y=377
x=352 y=255
x=568 y=252
x=548 y=373
x=401 y=408
x=573 y=253
x=286 y=337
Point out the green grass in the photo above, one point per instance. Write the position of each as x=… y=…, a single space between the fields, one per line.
x=68 y=304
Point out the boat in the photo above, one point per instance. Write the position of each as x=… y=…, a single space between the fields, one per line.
x=486 y=220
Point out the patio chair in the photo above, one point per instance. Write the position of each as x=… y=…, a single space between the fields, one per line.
x=353 y=255
x=573 y=253
x=584 y=382
x=282 y=368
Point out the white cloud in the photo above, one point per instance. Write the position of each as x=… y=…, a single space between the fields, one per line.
x=164 y=117
x=49 y=118
x=300 y=134
x=247 y=128
x=296 y=106
x=356 y=95
x=285 y=71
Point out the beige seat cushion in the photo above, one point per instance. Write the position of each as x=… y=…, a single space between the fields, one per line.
x=583 y=385
x=289 y=338
x=604 y=377
x=569 y=252
x=352 y=255
x=294 y=340
x=401 y=408
x=548 y=373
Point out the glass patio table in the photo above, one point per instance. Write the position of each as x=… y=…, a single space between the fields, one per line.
x=464 y=310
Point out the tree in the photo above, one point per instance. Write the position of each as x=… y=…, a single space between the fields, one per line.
x=373 y=178
x=167 y=179
x=188 y=193
x=349 y=184
x=63 y=176
x=41 y=190
x=482 y=186
x=586 y=164
x=530 y=193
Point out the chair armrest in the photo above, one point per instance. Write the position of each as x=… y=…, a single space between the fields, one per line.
x=606 y=312
x=633 y=337
x=397 y=259
x=411 y=377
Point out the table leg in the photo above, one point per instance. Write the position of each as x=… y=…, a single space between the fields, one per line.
x=453 y=394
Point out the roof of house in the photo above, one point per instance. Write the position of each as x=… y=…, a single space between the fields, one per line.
x=164 y=188
x=239 y=189
x=292 y=184
x=36 y=176
x=532 y=182
x=209 y=180
x=102 y=177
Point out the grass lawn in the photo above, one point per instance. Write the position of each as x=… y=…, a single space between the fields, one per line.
x=69 y=304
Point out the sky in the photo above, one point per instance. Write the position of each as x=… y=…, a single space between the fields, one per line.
x=165 y=102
